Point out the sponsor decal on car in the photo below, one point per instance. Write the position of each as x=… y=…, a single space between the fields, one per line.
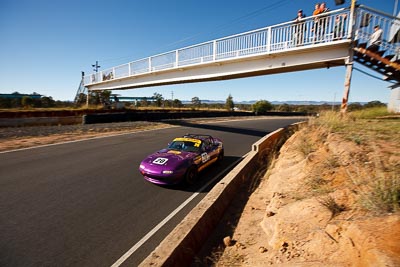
x=196 y=142
x=174 y=152
x=205 y=157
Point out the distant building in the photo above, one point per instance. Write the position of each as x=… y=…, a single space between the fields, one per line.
x=18 y=95
x=394 y=101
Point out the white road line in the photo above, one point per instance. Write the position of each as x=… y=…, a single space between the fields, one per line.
x=169 y=217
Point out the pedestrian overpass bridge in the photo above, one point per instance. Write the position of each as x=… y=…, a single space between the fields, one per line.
x=321 y=41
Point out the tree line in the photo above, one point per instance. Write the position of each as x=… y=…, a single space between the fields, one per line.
x=105 y=99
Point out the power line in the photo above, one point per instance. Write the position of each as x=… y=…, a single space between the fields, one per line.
x=236 y=20
x=218 y=29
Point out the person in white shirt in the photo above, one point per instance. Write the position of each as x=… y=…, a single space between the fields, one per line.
x=375 y=39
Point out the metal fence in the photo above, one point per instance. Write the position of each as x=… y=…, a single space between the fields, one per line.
x=316 y=30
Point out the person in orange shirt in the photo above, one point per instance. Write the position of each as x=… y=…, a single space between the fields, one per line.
x=316 y=12
x=323 y=8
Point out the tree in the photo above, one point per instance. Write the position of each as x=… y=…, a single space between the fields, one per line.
x=26 y=101
x=81 y=99
x=284 y=108
x=262 y=106
x=177 y=103
x=196 y=101
x=373 y=104
x=354 y=106
x=5 y=102
x=94 y=98
x=229 y=105
x=158 y=99
x=47 y=102
x=105 y=97
x=143 y=102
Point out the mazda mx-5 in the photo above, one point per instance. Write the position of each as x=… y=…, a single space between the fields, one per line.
x=182 y=160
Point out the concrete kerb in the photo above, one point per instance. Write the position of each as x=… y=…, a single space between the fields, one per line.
x=181 y=245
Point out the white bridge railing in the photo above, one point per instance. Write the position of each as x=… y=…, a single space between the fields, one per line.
x=322 y=29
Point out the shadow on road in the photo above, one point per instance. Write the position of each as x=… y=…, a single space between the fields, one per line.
x=203 y=126
x=219 y=169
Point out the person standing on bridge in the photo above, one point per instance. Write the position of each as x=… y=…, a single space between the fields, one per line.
x=375 y=39
x=299 y=28
x=315 y=13
x=338 y=29
x=320 y=22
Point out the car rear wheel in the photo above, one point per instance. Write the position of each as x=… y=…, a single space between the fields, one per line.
x=191 y=175
x=220 y=157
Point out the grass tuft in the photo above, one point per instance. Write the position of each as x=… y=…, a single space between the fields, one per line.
x=383 y=196
x=330 y=203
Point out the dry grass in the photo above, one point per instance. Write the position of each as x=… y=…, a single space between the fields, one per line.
x=373 y=171
x=382 y=195
x=330 y=203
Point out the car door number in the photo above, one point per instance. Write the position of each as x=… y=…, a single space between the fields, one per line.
x=160 y=161
x=205 y=157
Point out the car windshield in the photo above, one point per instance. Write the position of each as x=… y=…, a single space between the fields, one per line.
x=187 y=146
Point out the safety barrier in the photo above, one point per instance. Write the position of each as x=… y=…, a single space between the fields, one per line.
x=181 y=245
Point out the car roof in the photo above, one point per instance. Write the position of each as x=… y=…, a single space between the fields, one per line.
x=198 y=136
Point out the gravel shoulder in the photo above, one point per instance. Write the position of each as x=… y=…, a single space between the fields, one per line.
x=12 y=138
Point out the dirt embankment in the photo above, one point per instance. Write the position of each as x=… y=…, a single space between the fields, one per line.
x=331 y=198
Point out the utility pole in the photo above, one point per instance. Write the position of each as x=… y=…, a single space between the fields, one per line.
x=96 y=69
x=96 y=66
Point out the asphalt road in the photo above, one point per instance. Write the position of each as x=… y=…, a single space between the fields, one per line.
x=86 y=204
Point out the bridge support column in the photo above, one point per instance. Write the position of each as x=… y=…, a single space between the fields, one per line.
x=349 y=61
x=347 y=83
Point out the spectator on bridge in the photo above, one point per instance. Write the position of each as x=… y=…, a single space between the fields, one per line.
x=299 y=28
x=316 y=10
x=323 y=8
x=322 y=22
x=338 y=29
x=375 y=39
x=315 y=13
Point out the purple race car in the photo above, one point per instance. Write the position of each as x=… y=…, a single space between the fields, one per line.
x=182 y=159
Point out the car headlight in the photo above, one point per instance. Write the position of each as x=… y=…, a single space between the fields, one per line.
x=167 y=172
x=141 y=166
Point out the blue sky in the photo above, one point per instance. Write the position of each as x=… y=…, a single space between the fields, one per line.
x=45 y=44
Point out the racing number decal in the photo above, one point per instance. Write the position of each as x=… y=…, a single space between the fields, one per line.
x=205 y=157
x=160 y=161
